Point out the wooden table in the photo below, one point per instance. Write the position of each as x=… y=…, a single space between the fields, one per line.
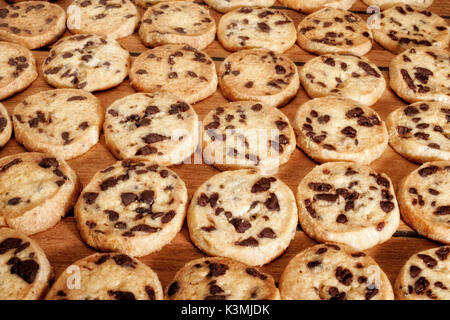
x=63 y=245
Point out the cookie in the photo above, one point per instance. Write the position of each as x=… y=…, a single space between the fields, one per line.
x=25 y=272
x=36 y=191
x=148 y=3
x=156 y=126
x=338 y=129
x=180 y=69
x=247 y=28
x=259 y=75
x=107 y=276
x=385 y=4
x=244 y=216
x=424 y=199
x=131 y=207
x=309 y=6
x=17 y=69
x=112 y=18
x=421 y=74
x=403 y=27
x=332 y=30
x=247 y=134
x=221 y=279
x=62 y=122
x=334 y=272
x=5 y=126
x=86 y=61
x=425 y=276
x=345 y=75
x=33 y=24
x=347 y=203
x=421 y=132
x=229 y=5
x=178 y=22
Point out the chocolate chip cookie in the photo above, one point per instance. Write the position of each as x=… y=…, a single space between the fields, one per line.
x=107 y=276
x=221 y=279
x=247 y=135
x=309 y=6
x=259 y=75
x=345 y=75
x=178 y=22
x=338 y=129
x=33 y=24
x=180 y=69
x=243 y=215
x=403 y=27
x=112 y=18
x=421 y=74
x=334 y=272
x=347 y=203
x=25 y=272
x=424 y=199
x=131 y=207
x=154 y=126
x=5 y=126
x=332 y=30
x=425 y=276
x=17 y=69
x=248 y=27
x=421 y=131
x=86 y=61
x=228 y=5
x=36 y=191
x=62 y=122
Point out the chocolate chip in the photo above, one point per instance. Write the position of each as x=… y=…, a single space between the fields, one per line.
x=264 y=27
x=27 y=270
x=121 y=295
x=267 y=233
x=217 y=270
x=344 y=276
x=427 y=171
x=272 y=203
x=173 y=288
x=262 y=185
x=240 y=225
x=90 y=197
x=128 y=197
x=414 y=271
x=124 y=260
x=342 y=218
x=249 y=242
x=442 y=253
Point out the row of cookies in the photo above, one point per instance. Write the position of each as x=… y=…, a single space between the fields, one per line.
x=321 y=272
x=139 y=207
x=330 y=30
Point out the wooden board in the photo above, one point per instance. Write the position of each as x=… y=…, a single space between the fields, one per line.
x=62 y=243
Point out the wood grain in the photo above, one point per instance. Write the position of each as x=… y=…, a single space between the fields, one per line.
x=63 y=245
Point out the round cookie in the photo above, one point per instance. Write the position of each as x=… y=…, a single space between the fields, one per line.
x=229 y=5
x=244 y=216
x=347 y=203
x=180 y=69
x=421 y=74
x=421 y=132
x=148 y=3
x=86 y=61
x=424 y=199
x=247 y=28
x=33 y=24
x=259 y=75
x=25 y=272
x=247 y=134
x=309 y=6
x=17 y=69
x=385 y=4
x=112 y=18
x=62 y=122
x=107 y=276
x=345 y=75
x=221 y=279
x=338 y=129
x=403 y=27
x=331 y=30
x=36 y=191
x=156 y=126
x=5 y=126
x=334 y=272
x=425 y=276
x=131 y=207
x=178 y=22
